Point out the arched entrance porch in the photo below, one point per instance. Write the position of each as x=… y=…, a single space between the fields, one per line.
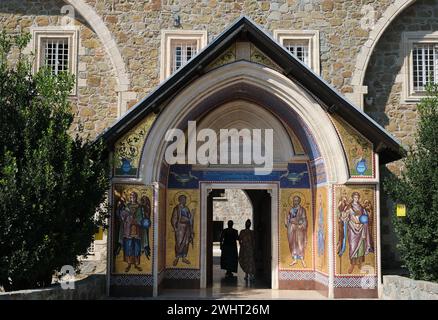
x=254 y=106
x=327 y=164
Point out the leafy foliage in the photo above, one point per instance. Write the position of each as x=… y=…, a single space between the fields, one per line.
x=51 y=184
x=417 y=188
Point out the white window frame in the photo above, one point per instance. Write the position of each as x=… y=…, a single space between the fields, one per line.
x=409 y=39
x=170 y=36
x=312 y=36
x=71 y=33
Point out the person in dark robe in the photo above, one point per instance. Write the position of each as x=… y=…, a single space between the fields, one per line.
x=246 y=253
x=228 y=245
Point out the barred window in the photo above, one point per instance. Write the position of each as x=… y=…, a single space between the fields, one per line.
x=182 y=52
x=425 y=65
x=303 y=44
x=299 y=48
x=178 y=47
x=56 y=54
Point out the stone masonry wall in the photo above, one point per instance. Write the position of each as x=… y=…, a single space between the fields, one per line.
x=401 y=288
x=236 y=206
x=384 y=80
x=383 y=76
x=136 y=27
x=95 y=105
x=92 y=287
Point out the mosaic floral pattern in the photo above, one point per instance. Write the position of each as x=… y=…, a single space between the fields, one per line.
x=129 y=148
x=258 y=56
x=227 y=57
x=359 y=151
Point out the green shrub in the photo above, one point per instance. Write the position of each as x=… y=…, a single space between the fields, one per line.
x=417 y=188
x=51 y=184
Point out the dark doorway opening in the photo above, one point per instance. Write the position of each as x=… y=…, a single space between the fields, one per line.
x=261 y=224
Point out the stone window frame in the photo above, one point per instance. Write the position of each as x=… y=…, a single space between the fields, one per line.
x=409 y=38
x=69 y=32
x=169 y=36
x=312 y=36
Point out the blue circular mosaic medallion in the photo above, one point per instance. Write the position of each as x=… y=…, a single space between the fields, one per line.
x=126 y=166
x=361 y=166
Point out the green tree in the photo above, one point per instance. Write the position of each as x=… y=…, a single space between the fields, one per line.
x=417 y=188
x=51 y=184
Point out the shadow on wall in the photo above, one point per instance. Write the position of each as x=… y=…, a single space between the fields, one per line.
x=390 y=258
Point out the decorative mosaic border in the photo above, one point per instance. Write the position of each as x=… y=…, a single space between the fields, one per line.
x=296 y=275
x=373 y=159
x=132 y=280
x=183 y=274
x=363 y=282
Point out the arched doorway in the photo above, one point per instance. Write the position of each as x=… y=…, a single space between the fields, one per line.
x=257 y=203
x=325 y=155
x=239 y=105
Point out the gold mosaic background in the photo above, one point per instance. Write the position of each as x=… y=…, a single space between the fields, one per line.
x=119 y=265
x=193 y=204
x=367 y=193
x=286 y=196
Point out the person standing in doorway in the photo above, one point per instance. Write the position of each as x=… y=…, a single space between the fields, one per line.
x=228 y=245
x=246 y=253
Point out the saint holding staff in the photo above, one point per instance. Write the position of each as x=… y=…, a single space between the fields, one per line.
x=183 y=226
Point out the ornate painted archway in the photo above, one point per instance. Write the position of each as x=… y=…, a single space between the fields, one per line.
x=332 y=181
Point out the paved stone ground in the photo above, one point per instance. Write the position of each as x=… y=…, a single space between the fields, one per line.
x=236 y=289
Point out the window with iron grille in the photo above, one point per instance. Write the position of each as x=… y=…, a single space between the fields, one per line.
x=55 y=54
x=56 y=47
x=299 y=48
x=303 y=44
x=424 y=63
x=182 y=52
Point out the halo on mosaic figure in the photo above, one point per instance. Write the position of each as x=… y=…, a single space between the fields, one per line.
x=290 y=200
x=140 y=193
x=182 y=193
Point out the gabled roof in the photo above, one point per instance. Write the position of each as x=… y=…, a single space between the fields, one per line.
x=244 y=29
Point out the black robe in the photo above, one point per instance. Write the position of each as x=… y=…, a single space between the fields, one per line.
x=229 y=256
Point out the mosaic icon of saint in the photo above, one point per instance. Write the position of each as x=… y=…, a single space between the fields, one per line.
x=182 y=224
x=296 y=224
x=321 y=231
x=134 y=229
x=354 y=228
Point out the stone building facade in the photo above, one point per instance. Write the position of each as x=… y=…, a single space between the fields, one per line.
x=234 y=205
x=363 y=52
